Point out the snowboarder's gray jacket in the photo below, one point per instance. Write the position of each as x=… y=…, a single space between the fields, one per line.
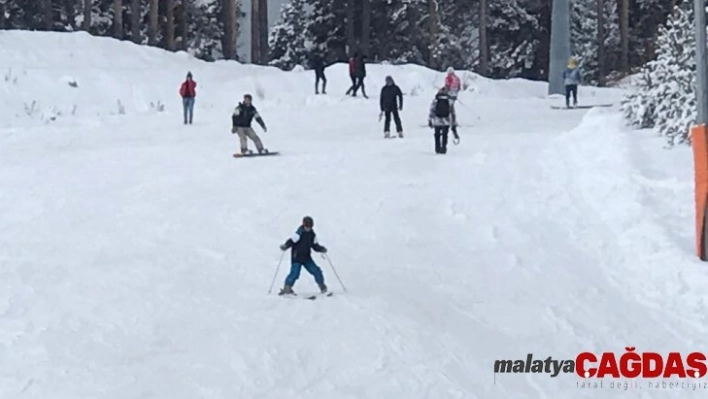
x=571 y=76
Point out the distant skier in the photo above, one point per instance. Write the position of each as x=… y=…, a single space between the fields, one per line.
x=453 y=85
x=241 y=120
x=360 y=74
x=301 y=243
x=571 y=78
x=352 y=75
x=188 y=92
x=391 y=101
x=318 y=64
x=439 y=119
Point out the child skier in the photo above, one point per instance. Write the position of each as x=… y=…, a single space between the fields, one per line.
x=188 y=92
x=301 y=243
x=391 y=101
x=241 y=120
x=571 y=78
x=439 y=119
x=453 y=85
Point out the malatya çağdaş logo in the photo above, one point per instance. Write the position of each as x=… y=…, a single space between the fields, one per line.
x=628 y=365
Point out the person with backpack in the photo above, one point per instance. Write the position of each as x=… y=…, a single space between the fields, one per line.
x=241 y=120
x=188 y=92
x=301 y=244
x=391 y=101
x=439 y=119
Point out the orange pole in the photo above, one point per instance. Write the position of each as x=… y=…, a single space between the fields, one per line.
x=700 y=158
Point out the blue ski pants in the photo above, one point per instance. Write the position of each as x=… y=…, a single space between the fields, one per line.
x=310 y=266
x=188 y=107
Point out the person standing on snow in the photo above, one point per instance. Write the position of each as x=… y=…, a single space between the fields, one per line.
x=318 y=64
x=571 y=78
x=188 y=92
x=453 y=85
x=391 y=101
x=352 y=76
x=301 y=244
x=439 y=119
x=241 y=120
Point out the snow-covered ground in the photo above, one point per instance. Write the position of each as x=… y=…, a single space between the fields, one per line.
x=136 y=253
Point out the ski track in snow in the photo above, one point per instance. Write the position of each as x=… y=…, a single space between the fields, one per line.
x=136 y=252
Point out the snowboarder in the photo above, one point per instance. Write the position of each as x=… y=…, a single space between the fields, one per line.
x=571 y=78
x=453 y=85
x=301 y=243
x=188 y=92
x=357 y=71
x=391 y=100
x=439 y=119
x=319 y=66
x=241 y=120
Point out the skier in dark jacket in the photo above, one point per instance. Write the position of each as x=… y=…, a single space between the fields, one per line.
x=241 y=120
x=318 y=64
x=301 y=243
x=391 y=100
x=360 y=74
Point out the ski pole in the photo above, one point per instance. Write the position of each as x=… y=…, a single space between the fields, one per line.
x=276 y=272
x=335 y=273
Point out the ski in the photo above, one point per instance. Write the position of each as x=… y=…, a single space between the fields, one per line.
x=313 y=297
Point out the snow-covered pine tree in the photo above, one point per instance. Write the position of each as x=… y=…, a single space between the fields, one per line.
x=513 y=37
x=290 y=38
x=667 y=84
x=206 y=28
x=583 y=34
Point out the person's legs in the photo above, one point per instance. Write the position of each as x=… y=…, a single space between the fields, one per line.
x=253 y=136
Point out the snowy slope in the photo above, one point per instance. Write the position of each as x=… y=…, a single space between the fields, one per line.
x=136 y=253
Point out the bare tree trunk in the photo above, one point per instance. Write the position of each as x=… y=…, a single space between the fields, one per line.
x=152 y=27
x=70 y=10
x=2 y=15
x=263 y=34
x=184 y=25
x=135 y=18
x=483 y=41
x=433 y=32
x=624 y=35
x=118 y=19
x=255 y=31
x=170 y=15
x=86 y=25
x=365 y=26
x=229 y=17
x=349 y=29
x=48 y=14
x=601 y=42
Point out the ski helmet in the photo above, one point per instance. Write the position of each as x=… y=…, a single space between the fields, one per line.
x=308 y=222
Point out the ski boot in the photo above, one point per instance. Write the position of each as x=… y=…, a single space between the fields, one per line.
x=263 y=151
x=323 y=288
x=400 y=134
x=287 y=290
x=387 y=135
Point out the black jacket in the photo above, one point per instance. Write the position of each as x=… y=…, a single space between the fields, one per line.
x=244 y=114
x=391 y=98
x=360 y=67
x=301 y=244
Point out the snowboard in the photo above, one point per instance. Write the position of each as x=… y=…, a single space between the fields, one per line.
x=581 y=106
x=255 y=154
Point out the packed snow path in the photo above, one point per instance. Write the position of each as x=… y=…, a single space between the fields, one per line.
x=136 y=255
